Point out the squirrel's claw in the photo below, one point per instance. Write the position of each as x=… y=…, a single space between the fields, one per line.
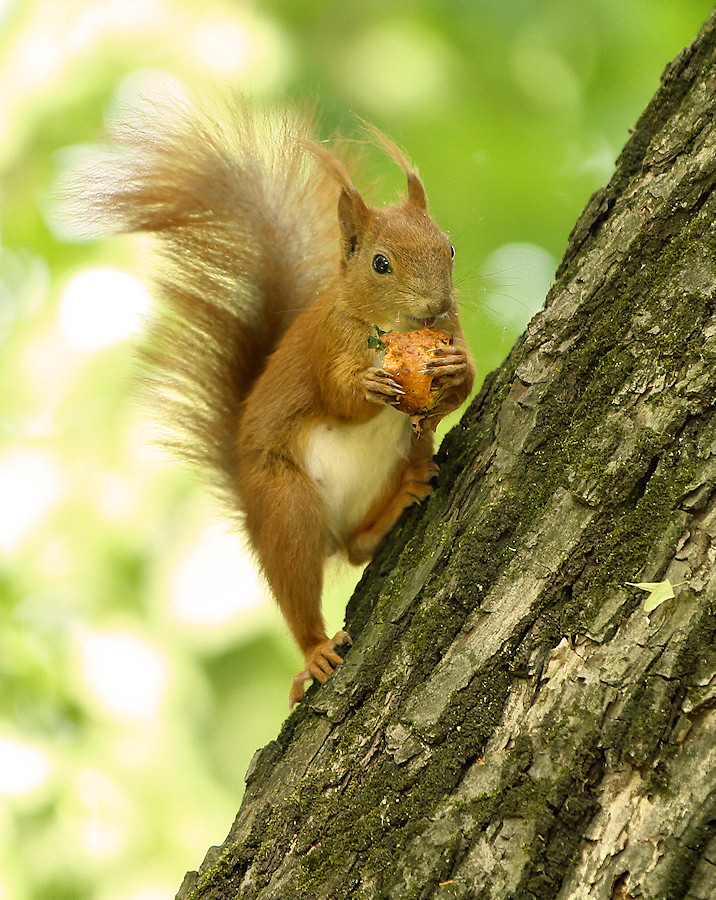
x=447 y=364
x=380 y=387
x=298 y=687
x=321 y=660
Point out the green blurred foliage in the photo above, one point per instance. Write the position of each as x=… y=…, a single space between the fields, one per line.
x=125 y=726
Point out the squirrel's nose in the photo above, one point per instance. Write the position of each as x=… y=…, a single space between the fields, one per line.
x=442 y=304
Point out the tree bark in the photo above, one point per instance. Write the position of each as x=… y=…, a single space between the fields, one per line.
x=510 y=722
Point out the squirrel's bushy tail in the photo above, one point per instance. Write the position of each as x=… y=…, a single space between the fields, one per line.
x=247 y=236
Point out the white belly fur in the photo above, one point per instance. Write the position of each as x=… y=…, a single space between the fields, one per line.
x=351 y=464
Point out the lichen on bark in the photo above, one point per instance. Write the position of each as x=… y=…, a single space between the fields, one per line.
x=510 y=723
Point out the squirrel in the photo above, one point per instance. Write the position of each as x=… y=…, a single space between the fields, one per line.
x=272 y=272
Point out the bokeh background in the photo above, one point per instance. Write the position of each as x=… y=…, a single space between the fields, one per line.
x=140 y=664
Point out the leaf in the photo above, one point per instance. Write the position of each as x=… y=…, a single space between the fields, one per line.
x=658 y=592
x=374 y=341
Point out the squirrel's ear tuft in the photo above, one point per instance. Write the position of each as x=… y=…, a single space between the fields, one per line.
x=352 y=217
x=416 y=192
x=330 y=163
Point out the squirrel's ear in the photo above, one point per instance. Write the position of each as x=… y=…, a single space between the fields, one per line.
x=416 y=192
x=352 y=216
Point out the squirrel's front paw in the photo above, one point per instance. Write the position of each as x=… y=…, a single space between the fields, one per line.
x=380 y=387
x=447 y=365
x=321 y=660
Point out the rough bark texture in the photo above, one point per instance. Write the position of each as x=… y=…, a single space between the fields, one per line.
x=510 y=723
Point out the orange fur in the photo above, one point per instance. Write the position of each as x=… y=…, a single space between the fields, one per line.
x=259 y=352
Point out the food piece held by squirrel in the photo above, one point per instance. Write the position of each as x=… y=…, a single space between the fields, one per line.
x=407 y=360
x=271 y=271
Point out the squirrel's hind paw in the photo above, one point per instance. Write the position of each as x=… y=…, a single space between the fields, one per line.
x=298 y=687
x=321 y=660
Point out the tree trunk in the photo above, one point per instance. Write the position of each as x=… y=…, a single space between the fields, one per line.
x=511 y=722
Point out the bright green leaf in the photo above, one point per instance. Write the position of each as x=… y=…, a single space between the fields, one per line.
x=374 y=340
x=658 y=592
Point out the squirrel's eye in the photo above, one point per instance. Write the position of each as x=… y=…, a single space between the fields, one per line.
x=452 y=252
x=381 y=264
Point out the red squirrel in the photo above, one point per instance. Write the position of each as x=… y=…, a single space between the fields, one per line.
x=273 y=272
